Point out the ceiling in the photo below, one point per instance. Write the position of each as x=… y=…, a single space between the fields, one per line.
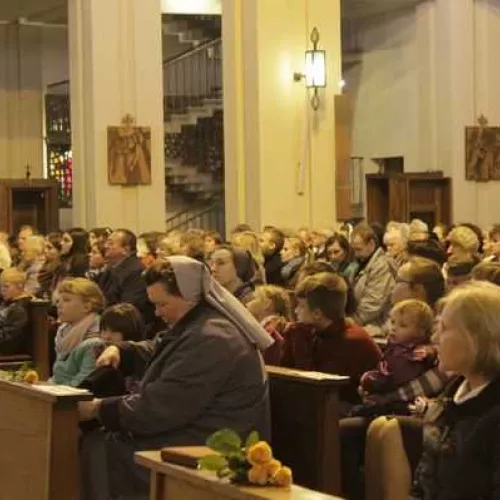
x=55 y=11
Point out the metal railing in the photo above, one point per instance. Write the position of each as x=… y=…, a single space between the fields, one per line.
x=210 y=218
x=193 y=76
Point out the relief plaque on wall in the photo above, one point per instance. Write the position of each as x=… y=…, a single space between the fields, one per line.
x=129 y=154
x=482 y=152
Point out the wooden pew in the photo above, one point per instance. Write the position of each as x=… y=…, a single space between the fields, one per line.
x=39 y=355
x=39 y=442
x=305 y=422
x=174 y=482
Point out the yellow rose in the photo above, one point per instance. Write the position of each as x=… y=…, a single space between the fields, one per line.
x=31 y=376
x=272 y=467
x=260 y=453
x=258 y=475
x=283 y=477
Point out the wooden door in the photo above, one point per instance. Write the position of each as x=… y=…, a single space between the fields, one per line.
x=377 y=199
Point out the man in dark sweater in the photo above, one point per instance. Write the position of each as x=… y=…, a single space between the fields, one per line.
x=324 y=339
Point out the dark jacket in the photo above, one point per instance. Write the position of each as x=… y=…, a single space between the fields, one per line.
x=398 y=367
x=461 y=458
x=348 y=350
x=123 y=283
x=291 y=270
x=273 y=265
x=15 y=327
x=201 y=376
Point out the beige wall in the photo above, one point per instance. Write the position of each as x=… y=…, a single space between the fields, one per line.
x=383 y=86
x=280 y=154
x=424 y=75
x=20 y=101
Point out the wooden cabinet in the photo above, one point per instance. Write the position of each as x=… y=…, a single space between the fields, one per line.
x=404 y=197
x=32 y=202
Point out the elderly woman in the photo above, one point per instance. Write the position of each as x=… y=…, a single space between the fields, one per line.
x=461 y=459
x=461 y=428
x=205 y=374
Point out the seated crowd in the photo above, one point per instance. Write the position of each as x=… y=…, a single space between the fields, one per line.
x=184 y=319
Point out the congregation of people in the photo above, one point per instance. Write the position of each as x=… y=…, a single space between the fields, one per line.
x=171 y=332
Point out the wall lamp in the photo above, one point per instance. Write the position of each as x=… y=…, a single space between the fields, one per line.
x=315 y=70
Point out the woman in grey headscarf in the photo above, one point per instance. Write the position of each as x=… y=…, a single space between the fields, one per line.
x=204 y=374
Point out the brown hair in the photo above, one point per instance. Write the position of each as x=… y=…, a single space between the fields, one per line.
x=365 y=232
x=427 y=273
x=326 y=292
x=487 y=271
x=125 y=319
x=162 y=272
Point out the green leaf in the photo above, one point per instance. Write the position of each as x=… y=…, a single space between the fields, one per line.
x=253 y=438
x=212 y=462
x=225 y=472
x=224 y=441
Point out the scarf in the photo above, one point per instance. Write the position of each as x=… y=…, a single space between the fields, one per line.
x=196 y=284
x=69 y=335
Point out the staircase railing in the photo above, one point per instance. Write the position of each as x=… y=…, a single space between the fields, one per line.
x=192 y=76
x=211 y=217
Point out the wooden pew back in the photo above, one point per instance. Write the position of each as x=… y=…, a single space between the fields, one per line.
x=305 y=416
x=39 y=354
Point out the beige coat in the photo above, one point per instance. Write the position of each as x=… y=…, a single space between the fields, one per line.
x=372 y=292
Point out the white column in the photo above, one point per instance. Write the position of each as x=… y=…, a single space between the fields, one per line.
x=115 y=70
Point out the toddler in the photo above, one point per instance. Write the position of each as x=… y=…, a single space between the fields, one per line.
x=412 y=323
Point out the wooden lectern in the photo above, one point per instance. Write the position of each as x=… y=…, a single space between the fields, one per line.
x=39 y=442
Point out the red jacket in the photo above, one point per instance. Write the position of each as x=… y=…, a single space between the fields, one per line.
x=348 y=350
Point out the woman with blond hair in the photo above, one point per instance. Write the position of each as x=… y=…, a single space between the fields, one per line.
x=460 y=458
x=462 y=428
x=78 y=342
x=294 y=256
x=249 y=241
x=272 y=307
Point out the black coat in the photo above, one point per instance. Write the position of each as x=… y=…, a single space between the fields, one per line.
x=124 y=283
x=272 y=266
x=461 y=458
x=15 y=327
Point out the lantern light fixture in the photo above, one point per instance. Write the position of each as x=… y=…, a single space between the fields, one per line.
x=315 y=69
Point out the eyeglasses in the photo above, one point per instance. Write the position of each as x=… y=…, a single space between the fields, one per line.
x=403 y=280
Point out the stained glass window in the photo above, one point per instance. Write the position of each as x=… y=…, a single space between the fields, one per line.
x=60 y=168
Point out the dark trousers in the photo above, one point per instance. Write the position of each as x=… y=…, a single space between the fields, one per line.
x=352 y=456
x=108 y=471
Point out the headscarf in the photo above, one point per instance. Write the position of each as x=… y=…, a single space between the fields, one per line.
x=196 y=284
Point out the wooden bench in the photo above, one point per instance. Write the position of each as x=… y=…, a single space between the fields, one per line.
x=305 y=425
x=39 y=355
x=39 y=436
x=174 y=482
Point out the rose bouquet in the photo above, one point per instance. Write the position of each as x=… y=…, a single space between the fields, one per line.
x=24 y=374
x=251 y=462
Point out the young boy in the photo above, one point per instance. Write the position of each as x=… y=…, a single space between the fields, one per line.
x=324 y=339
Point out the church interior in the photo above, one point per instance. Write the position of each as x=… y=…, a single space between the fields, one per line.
x=249 y=249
